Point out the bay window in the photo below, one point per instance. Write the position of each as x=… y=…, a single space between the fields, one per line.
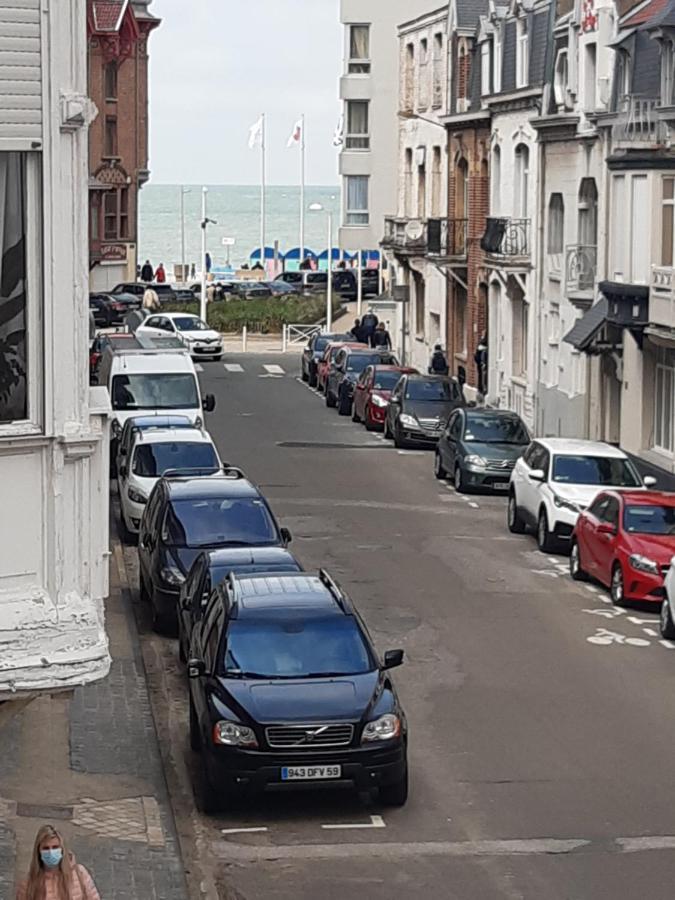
x=359 y=50
x=357 y=125
x=356 y=200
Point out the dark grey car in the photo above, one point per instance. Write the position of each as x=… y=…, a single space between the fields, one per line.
x=419 y=408
x=479 y=448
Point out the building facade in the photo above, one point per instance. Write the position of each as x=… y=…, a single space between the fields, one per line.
x=118 y=34
x=53 y=426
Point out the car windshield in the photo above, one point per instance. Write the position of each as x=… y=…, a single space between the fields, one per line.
x=188 y=323
x=386 y=381
x=157 y=391
x=649 y=519
x=432 y=391
x=316 y=277
x=152 y=460
x=295 y=648
x=356 y=363
x=603 y=470
x=210 y=523
x=495 y=430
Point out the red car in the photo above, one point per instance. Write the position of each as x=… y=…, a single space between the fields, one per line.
x=372 y=393
x=329 y=357
x=625 y=540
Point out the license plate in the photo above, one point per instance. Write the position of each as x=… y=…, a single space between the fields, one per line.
x=501 y=485
x=310 y=773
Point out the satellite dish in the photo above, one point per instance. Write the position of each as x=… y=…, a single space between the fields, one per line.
x=414 y=230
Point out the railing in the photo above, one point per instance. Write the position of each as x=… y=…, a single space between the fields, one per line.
x=637 y=121
x=506 y=237
x=581 y=261
x=447 y=237
x=294 y=335
x=408 y=235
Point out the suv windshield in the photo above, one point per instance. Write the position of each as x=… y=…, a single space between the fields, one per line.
x=204 y=523
x=649 y=519
x=594 y=470
x=188 y=323
x=386 y=381
x=494 y=430
x=156 y=391
x=296 y=648
x=432 y=391
x=152 y=460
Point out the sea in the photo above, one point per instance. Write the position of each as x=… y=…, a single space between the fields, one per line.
x=236 y=210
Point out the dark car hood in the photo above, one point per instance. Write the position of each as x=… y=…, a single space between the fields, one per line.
x=183 y=557
x=425 y=409
x=494 y=451
x=319 y=700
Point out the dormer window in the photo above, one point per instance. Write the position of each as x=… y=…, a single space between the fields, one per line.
x=667 y=74
x=486 y=68
x=623 y=74
x=522 y=54
x=497 y=61
x=561 y=79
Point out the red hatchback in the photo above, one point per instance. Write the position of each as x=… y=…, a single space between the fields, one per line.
x=328 y=357
x=372 y=393
x=625 y=540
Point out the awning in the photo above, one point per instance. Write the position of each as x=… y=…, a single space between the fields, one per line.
x=624 y=291
x=586 y=328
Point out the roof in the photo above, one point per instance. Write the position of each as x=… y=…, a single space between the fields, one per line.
x=242 y=556
x=264 y=592
x=173 y=436
x=469 y=11
x=575 y=447
x=646 y=498
x=108 y=14
x=419 y=376
x=490 y=413
x=645 y=13
x=210 y=487
x=168 y=363
x=586 y=328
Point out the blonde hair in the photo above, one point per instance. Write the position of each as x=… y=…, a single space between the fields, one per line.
x=35 y=883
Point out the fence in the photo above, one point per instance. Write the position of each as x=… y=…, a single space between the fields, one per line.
x=295 y=335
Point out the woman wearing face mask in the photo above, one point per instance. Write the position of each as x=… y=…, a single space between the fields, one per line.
x=54 y=873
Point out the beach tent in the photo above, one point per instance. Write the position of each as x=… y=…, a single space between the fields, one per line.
x=269 y=253
x=336 y=255
x=295 y=254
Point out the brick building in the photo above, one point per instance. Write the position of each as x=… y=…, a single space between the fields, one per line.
x=118 y=33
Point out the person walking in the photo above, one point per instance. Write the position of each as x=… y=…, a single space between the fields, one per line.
x=54 y=873
x=438 y=364
x=147 y=272
x=151 y=300
x=481 y=359
x=193 y=273
x=209 y=263
x=357 y=331
x=369 y=323
x=381 y=337
x=160 y=274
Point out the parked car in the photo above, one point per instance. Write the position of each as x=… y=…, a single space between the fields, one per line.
x=626 y=540
x=557 y=478
x=345 y=283
x=250 y=290
x=111 y=309
x=479 y=448
x=136 y=424
x=183 y=295
x=287 y=691
x=153 y=452
x=213 y=566
x=420 y=407
x=667 y=618
x=282 y=288
x=165 y=292
x=314 y=351
x=344 y=373
x=98 y=347
x=372 y=393
x=307 y=280
x=187 y=514
x=328 y=358
x=200 y=340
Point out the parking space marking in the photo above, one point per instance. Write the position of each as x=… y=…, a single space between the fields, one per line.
x=375 y=822
x=274 y=370
x=233 y=367
x=242 y=830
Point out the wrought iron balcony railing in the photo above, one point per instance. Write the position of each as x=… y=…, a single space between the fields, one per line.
x=581 y=263
x=506 y=237
x=447 y=238
x=637 y=121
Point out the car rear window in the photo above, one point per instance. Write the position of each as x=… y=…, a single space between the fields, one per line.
x=386 y=381
x=641 y=519
x=602 y=470
x=432 y=391
x=495 y=429
x=156 y=391
x=152 y=460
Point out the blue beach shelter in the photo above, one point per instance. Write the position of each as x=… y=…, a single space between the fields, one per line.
x=269 y=254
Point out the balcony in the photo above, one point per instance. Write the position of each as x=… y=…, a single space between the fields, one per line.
x=662 y=297
x=508 y=240
x=637 y=123
x=447 y=238
x=406 y=236
x=581 y=263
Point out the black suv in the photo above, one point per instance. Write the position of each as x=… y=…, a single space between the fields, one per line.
x=314 y=351
x=165 y=292
x=286 y=689
x=187 y=514
x=344 y=373
x=420 y=407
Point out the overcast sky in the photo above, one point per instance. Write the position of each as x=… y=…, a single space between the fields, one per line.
x=220 y=63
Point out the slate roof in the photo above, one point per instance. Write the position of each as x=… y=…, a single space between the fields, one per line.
x=585 y=329
x=469 y=11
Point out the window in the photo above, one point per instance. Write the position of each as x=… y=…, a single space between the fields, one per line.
x=519 y=311
x=462 y=190
x=110 y=137
x=409 y=78
x=436 y=177
x=437 y=88
x=116 y=214
x=556 y=224
x=590 y=85
x=624 y=73
x=423 y=81
x=424 y=52
x=522 y=174
x=664 y=401
x=462 y=319
x=359 y=50
x=486 y=68
x=421 y=191
x=560 y=79
x=110 y=78
x=497 y=67
x=667 y=74
x=407 y=200
x=356 y=207
x=667 y=209
x=496 y=181
x=588 y=213
x=522 y=54
x=420 y=311
x=357 y=125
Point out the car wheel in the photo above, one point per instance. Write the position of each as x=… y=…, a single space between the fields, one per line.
x=195 y=737
x=330 y=400
x=368 y=421
x=439 y=471
x=395 y=794
x=576 y=571
x=617 y=585
x=312 y=379
x=460 y=485
x=209 y=800
x=162 y=622
x=545 y=540
x=666 y=621
x=514 y=518
x=142 y=591
x=304 y=375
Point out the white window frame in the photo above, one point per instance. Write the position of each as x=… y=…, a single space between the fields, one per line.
x=664 y=397
x=521 y=167
x=486 y=68
x=496 y=180
x=561 y=78
x=353 y=62
x=667 y=73
x=667 y=203
x=522 y=53
x=555 y=237
x=352 y=139
x=357 y=212
x=497 y=67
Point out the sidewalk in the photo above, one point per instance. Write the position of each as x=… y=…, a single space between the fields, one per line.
x=90 y=765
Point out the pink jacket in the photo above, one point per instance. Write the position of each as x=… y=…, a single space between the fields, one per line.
x=82 y=886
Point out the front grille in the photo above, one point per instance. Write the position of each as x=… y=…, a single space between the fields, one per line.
x=431 y=424
x=308 y=736
x=500 y=463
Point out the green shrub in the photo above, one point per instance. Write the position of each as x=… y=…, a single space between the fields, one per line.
x=265 y=316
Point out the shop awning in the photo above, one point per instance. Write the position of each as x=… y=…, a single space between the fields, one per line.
x=586 y=328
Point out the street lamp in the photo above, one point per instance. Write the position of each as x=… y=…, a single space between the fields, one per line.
x=205 y=221
x=183 y=192
x=317 y=207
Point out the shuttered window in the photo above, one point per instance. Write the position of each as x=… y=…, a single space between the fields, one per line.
x=20 y=74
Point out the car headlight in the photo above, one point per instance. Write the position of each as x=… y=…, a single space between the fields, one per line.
x=376 y=400
x=643 y=564
x=408 y=421
x=231 y=734
x=136 y=496
x=171 y=575
x=386 y=728
x=473 y=460
x=561 y=503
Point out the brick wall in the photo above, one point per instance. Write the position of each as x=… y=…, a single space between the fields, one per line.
x=463 y=71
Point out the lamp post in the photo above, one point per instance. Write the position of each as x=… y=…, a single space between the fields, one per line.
x=317 y=207
x=183 y=192
x=205 y=221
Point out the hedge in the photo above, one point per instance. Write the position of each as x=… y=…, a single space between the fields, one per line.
x=265 y=316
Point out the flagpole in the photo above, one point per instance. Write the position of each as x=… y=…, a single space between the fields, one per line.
x=302 y=187
x=262 y=191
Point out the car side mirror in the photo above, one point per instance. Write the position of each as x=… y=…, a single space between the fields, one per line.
x=209 y=403
x=196 y=668
x=606 y=528
x=286 y=536
x=393 y=658
x=537 y=475
x=123 y=471
x=649 y=481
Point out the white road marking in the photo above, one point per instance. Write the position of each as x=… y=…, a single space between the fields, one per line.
x=634 y=620
x=233 y=367
x=650 y=632
x=270 y=375
x=654 y=842
x=473 y=505
x=411 y=452
x=667 y=644
x=241 y=830
x=199 y=368
x=375 y=822
x=591 y=589
x=274 y=370
x=606 y=599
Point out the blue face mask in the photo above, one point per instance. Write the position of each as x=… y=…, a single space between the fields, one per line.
x=51 y=858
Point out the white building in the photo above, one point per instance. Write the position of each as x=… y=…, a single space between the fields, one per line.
x=53 y=432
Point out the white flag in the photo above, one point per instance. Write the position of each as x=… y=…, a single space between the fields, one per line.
x=296 y=134
x=338 y=137
x=255 y=134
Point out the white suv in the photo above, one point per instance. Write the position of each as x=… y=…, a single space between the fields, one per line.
x=153 y=452
x=556 y=478
x=200 y=340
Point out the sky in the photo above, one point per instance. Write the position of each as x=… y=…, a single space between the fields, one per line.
x=215 y=65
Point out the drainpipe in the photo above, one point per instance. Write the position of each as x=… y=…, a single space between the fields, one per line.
x=539 y=285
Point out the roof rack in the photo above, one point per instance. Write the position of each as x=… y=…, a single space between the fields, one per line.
x=225 y=470
x=343 y=600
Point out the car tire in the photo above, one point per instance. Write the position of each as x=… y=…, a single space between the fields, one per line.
x=142 y=591
x=195 y=737
x=576 y=571
x=617 y=586
x=312 y=379
x=304 y=375
x=162 y=623
x=458 y=480
x=126 y=535
x=330 y=400
x=209 y=800
x=545 y=540
x=344 y=405
x=368 y=421
x=395 y=794
x=514 y=517
x=666 y=623
x=439 y=471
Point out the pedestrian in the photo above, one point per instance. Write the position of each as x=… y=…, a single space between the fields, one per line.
x=357 y=331
x=54 y=873
x=211 y=293
x=369 y=323
x=257 y=267
x=381 y=337
x=147 y=272
x=481 y=359
x=160 y=274
x=438 y=364
x=151 y=300
x=209 y=263
x=193 y=272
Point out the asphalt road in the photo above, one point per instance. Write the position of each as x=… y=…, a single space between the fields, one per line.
x=542 y=719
